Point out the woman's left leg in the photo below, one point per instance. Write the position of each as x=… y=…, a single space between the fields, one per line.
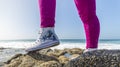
x=87 y=13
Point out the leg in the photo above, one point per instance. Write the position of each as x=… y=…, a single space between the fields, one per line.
x=47 y=37
x=47 y=12
x=87 y=12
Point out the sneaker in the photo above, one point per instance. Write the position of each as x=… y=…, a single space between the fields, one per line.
x=47 y=39
x=89 y=50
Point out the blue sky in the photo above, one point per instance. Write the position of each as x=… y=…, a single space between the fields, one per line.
x=19 y=19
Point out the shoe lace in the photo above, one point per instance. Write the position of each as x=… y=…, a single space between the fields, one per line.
x=49 y=35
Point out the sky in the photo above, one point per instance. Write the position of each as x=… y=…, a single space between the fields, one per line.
x=20 y=19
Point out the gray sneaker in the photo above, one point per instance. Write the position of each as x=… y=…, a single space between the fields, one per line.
x=47 y=39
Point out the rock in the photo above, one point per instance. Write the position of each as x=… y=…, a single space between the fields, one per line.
x=63 y=60
x=74 y=56
x=74 y=51
x=50 y=64
x=45 y=51
x=66 y=58
x=29 y=60
x=58 y=52
x=42 y=58
x=55 y=53
x=14 y=62
x=38 y=56
x=97 y=58
x=17 y=55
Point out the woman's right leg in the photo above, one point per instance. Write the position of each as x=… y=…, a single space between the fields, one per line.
x=47 y=13
x=47 y=37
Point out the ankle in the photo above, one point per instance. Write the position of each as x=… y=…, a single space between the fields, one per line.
x=46 y=29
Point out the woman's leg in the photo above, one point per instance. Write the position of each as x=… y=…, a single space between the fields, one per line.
x=47 y=37
x=87 y=12
x=47 y=12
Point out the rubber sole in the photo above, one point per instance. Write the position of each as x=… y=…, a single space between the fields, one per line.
x=44 y=46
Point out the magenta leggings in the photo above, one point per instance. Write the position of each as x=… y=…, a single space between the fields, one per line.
x=87 y=12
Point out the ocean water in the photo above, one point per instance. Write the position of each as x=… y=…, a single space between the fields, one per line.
x=12 y=47
x=64 y=43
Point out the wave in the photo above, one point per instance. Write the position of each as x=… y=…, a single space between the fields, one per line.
x=61 y=46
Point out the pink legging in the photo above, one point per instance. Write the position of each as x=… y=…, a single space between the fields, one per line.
x=87 y=13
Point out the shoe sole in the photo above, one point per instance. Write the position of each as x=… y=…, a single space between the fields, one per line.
x=44 y=46
x=85 y=51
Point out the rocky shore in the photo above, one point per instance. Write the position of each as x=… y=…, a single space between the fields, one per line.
x=66 y=58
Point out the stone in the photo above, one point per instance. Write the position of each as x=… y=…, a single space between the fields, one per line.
x=97 y=58
x=66 y=58
x=74 y=56
x=74 y=51
x=63 y=60
x=50 y=64
x=30 y=59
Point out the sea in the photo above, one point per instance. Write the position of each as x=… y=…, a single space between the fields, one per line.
x=9 y=48
x=64 y=43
